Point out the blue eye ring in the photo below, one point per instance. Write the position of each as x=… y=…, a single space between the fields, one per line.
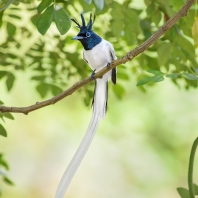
x=88 y=34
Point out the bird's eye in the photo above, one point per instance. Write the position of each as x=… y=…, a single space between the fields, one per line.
x=88 y=34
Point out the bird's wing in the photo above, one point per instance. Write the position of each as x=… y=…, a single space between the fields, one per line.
x=112 y=51
x=113 y=56
x=84 y=57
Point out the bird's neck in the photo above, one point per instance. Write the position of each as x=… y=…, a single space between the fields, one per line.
x=91 y=42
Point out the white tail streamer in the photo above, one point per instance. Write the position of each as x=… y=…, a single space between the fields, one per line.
x=79 y=155
x=99 y=110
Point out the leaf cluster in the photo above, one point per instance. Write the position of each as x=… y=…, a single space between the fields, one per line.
x=54 y=57
x=4 y=166
x=158 y=76
x=7 y=115
x=49 y=12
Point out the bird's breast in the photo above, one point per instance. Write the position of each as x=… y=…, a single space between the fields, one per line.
x=98 y=56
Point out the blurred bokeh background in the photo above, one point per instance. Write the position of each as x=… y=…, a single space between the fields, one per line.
x=141 y=148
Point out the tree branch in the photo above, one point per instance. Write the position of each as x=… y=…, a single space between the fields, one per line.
x=128 y=57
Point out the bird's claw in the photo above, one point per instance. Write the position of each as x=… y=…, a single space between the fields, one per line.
x=108 y=65
x=93 y=74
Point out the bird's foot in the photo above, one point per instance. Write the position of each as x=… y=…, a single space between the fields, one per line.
x=93 y=74
x=108 y=65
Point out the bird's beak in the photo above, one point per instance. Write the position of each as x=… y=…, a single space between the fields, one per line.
x=77 y=38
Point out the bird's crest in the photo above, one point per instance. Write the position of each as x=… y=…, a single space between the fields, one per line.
x=83 y=26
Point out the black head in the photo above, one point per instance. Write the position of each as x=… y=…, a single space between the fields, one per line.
x=86 y=35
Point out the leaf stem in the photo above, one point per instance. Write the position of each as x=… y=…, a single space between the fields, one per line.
x=190 y=169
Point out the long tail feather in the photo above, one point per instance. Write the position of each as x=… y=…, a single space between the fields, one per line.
x=99 y=110
x=100 y=97
x=77 y=158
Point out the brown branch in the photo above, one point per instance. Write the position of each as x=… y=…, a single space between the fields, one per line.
x=128 y=57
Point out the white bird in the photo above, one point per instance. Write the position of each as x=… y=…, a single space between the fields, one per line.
x=98 y=53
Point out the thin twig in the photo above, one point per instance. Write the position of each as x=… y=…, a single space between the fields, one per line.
x=128 y=57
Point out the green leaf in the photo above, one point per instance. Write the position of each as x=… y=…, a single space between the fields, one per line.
x=56 y=90
x=44 y=21
x=177 y=4
x=116 y=22
x=3 y=162
x=119 y=91
x=14 y=16
x=2 y=74
x=144 y=81
x=35 y=18
x=152 y=79
x=62 y=20
x=11 y=29
x=195 y=189
x=10 y=81
x=155 y=72
x=150 y=9
x=157 y=78
x=152 y=62
x=178 y=54
x=147 y=2
x=88 y=1
x=165 y=6
x=130 y=37
x=1 y=18
x=43 y=5
x=42 y=89
x=173 y=76
x=187 y=49
x=99 y=4
x=1 y=116
x=38 y=78
x=190 y=76
x=164 y=52
x=185 y=44
x=156 y=17
x=12 y=56
x=16 y=2
x=8 y=115
x=184 y=193
x=8 y=181
x=3 y=131
x=131 y=24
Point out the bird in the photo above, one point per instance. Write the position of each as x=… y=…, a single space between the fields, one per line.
x=98 y=53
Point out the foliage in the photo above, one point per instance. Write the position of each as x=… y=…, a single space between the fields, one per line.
x=50 y=57
x=193 y=188
x=4 y=165
x=55 y=60
x=3 y=116
x=158 y=76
